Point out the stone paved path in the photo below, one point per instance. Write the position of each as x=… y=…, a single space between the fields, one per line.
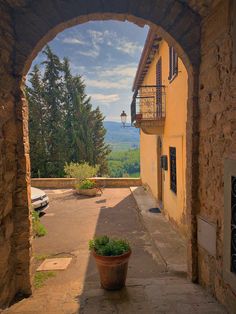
x=151 y=288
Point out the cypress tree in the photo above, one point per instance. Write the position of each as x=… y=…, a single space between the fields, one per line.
x=63 y=126
x=54 y=119
x=37 y=135
x=100 y=149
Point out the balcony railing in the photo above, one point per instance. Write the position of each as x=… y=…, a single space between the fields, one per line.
x=148 y=104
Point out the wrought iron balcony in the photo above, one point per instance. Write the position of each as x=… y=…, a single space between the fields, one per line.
x=148 y=108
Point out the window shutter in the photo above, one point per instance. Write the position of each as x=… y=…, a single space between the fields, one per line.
x=173 y=63
x=159 y=89
x=170 y=63
x=173 y=176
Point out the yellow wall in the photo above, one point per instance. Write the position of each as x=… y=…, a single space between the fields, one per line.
x=174 y=135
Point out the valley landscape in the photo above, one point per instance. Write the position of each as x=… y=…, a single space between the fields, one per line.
x=124 y=160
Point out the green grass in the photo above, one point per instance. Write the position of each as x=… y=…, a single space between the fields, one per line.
x=41 y=257
x=38 y=228
x=41 y=276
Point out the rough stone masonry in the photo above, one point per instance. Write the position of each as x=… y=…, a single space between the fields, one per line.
x=203 y=33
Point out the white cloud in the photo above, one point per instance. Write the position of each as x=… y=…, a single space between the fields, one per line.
x=105 y=99
x=128 y=47
x=93 y=53
x=113 y=40
x=105 y=84
x=98 y=37
x=121 y=70
x=112 y=118
x=73 y=41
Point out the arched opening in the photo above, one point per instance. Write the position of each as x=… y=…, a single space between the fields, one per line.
x=45 y=24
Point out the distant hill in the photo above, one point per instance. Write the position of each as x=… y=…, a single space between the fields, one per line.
x=121 y=138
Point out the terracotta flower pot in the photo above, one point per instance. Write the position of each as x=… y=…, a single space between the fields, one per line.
x=112 y=270
x=87 y=192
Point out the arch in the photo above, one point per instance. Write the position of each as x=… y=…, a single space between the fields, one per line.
x=37 y=22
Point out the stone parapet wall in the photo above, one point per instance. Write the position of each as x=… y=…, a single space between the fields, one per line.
x=65 y=183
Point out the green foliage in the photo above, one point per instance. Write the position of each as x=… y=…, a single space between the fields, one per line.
x=80 y=171
x=63 y=127
x=41 y=257
x=106 y=246
x=86 y=184
x=38 y=228
x=41 y=276
x=124 y=163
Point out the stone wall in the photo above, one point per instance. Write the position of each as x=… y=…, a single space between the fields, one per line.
x=66 y=183
x=217 y=141
x=15 y=245
x=7 y=153
x=26 y=25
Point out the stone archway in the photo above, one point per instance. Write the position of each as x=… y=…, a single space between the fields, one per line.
x=30 y=25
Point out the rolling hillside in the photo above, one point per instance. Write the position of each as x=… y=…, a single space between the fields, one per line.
x=121 y=138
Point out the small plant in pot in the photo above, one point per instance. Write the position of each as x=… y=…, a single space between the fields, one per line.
x=81 y=172
x=111 y=256
x=86 y=187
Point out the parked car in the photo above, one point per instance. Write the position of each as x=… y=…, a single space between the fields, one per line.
x=39 y=199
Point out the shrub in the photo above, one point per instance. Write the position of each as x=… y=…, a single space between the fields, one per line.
x=86 y=184
x=80 y=171
x=38 y=228
x=41 y=277
x=106 y=246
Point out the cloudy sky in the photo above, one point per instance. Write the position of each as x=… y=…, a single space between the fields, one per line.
x=106 y=54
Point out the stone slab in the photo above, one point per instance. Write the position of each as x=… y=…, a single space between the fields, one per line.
x=55 y=264
x=206 y=235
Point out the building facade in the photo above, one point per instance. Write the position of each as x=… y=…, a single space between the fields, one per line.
x=160 y=110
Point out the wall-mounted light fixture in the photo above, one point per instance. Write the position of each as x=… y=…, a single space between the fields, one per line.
x=123 y=118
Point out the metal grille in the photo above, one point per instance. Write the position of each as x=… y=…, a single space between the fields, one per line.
x=148 y=103
x=173 y=178
x=159 y=90
x=233 y=224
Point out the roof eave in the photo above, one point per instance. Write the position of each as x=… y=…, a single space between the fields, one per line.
x=144 y=57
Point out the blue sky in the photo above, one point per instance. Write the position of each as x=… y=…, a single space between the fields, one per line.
x=106 y=54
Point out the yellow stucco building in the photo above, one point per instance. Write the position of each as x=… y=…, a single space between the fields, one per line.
x=159 y=109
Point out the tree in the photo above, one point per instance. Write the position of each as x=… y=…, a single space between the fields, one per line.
x=70 y=130
x=54 y=114
x=100 y=149
x=37 y=112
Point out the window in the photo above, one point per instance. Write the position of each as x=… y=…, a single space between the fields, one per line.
x=229 y=253
x=233 y=225
x=173 y=178
x=173 y=63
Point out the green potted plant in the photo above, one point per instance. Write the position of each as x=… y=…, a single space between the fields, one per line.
x=86 y=187
x=111 y=256
x=82 y=172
